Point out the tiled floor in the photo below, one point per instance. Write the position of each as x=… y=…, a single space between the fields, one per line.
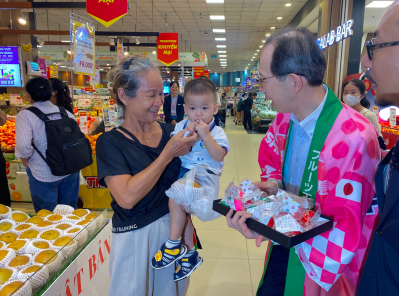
x=232 y=265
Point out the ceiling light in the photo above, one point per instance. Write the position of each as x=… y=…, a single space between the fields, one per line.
x=258 y=50
x=39 y=46
x=222 y=56
x=279 y=18
x=219 y=31
x=101 y=69
x=272 y=28
x=253 y=57
x=220 y=39
x=69 y=51
x=221 y=46
x=22 y=19
x=251 y=60
x=288 y=4
x=63 y=66
x=379 y=4
x=263 y=41
x=214 y=1
x=223 y=59
x=126 y=53
x=65 y=41
x=267 y=34
x=260 y=46
x=137 y=41
x=107 y=64
x=255 y=54
x=217 y=17
x=221 y=51
x=153 y=52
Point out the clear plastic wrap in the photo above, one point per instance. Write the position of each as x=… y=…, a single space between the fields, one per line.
x=197 y=201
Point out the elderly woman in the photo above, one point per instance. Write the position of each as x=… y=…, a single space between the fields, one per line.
x=138 y=162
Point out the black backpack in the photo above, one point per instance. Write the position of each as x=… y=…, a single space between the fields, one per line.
x=68 y=150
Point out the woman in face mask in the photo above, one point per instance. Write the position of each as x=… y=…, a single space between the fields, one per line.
x=354 y=96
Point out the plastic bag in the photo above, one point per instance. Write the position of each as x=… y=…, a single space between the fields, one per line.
x=198 y=201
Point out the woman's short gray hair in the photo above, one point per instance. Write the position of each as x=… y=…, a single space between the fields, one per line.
x=128 y=74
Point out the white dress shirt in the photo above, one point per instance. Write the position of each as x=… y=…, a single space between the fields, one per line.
x=27 y=127
x=300 y=139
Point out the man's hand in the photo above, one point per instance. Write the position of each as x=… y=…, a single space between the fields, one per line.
x=202 y=128
x=173 y=122
x=238 y=222
x=270 y=187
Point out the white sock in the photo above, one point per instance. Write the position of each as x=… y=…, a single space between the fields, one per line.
x=170 y=244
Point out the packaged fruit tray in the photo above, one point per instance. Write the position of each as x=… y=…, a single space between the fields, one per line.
x=35 y=250
x=273 y=234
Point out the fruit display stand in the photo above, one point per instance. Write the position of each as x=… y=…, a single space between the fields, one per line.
x=17 y=179
x=262 y=120
x=76 y=263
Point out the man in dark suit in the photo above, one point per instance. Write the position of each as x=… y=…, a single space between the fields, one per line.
x=173 y=105
x=381 y=271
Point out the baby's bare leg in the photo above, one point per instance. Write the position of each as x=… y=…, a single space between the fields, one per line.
x=177 y=220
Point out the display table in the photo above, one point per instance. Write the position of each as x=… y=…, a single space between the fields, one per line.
x=93 y=195
x=88 y=273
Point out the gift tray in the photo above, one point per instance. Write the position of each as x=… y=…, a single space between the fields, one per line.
x=274 y=235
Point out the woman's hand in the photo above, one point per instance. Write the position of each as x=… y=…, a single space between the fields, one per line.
x=238 y=222
x=179 y=145
x=270 y=187
x=191 y=127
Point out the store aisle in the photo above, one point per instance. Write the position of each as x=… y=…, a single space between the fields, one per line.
x=232 y=265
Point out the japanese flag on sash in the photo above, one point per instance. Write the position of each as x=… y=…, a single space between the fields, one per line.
x=349 y=189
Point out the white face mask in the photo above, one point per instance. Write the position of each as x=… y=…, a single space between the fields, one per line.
x=351 y=100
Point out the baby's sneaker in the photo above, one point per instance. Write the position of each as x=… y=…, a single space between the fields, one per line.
x=185 y=266
x=165 y=257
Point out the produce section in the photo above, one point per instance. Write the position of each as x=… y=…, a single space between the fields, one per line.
x=262 y=120
x=34 y=249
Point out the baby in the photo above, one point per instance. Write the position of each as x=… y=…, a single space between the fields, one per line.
x=201 y=104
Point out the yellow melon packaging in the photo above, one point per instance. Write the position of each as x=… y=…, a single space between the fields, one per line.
x=50 y=234
x=4 y=212
x=7 y=274
x=37 y=245
x=20 y=228
x=63 y=210
x=19 y=217
x=39 y=277
x=67 y=244
x=6 y=255
x=19 y=246
x=78 y=233
x=20 y=262
x=21 y=288
x=5 y=225
x=53 y=263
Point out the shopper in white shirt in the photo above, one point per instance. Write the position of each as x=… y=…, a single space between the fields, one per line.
x=46 y=189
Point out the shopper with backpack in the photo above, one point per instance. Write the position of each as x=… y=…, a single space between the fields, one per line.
x=52 y=148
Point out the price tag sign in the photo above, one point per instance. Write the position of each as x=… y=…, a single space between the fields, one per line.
x=97 y=103
x=375 y=110
x=106 y=116
x=112 y=115
x=392 y=117
x=83 y=102
x=84 y=55
x=83 y=122
x=15 y=100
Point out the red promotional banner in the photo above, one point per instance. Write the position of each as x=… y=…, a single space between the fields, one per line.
x=205 y=73
x=106 y=12
x=168 y=48
x=198 y=72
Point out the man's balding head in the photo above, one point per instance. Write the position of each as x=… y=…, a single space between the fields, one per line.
x=384 y=66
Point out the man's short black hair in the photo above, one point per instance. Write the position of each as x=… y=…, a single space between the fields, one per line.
x=296 y=51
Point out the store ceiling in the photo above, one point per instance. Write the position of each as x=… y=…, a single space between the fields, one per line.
x=246 y=23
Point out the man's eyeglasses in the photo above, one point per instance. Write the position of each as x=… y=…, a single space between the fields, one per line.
x=371 y=46
x=260 y=80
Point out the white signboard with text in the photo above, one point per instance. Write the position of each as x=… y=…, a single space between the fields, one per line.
x=392 y=117
x=88 y=274
x=83 y=49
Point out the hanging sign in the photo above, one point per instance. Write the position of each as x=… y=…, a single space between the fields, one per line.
x=168 y=48
x=197 y=72
x=83 y=122
x=106 y=12
x=342 y=32
x=83 y=102
x=205 y=73
x=53 y=71
x=83 y=49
